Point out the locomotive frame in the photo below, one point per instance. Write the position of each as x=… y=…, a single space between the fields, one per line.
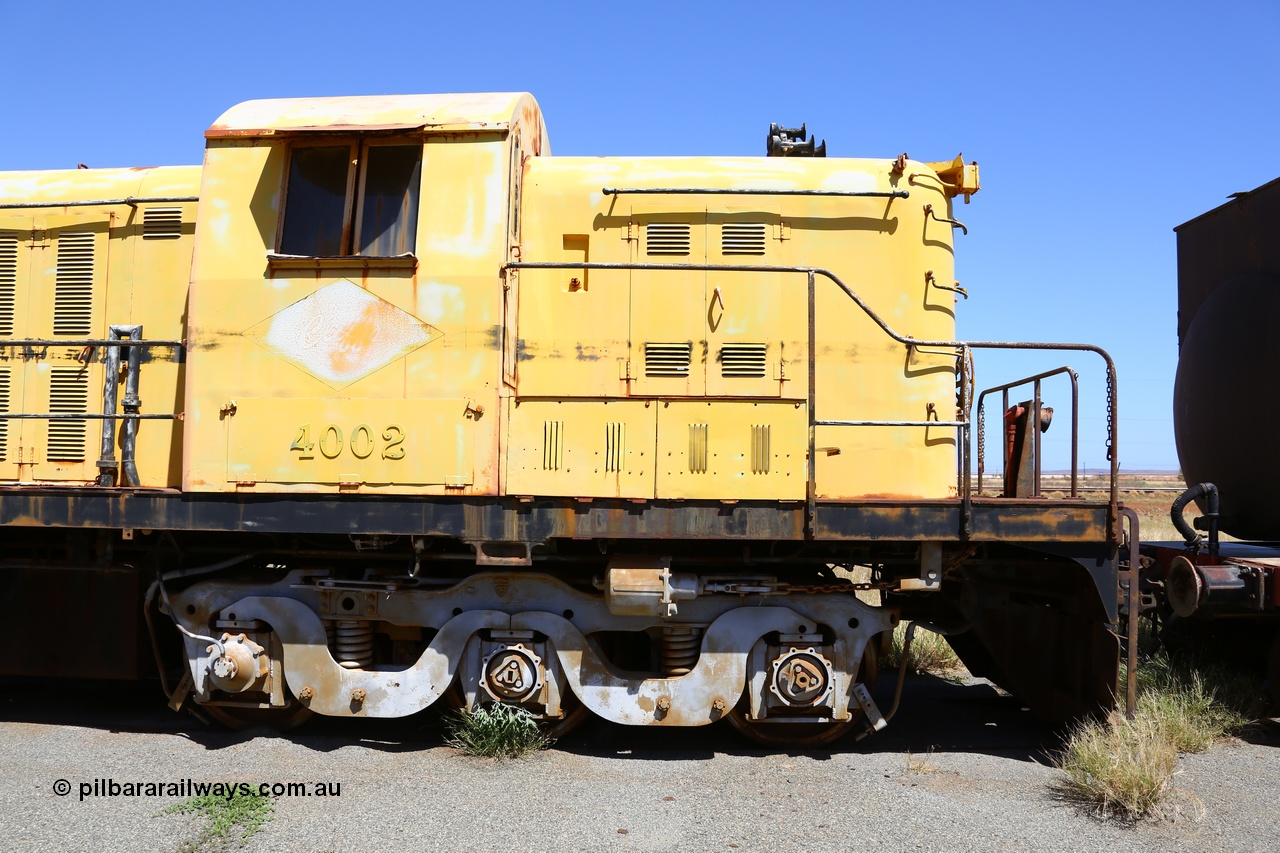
x=664 y=609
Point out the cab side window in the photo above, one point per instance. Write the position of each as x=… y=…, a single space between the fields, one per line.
x=356 y=198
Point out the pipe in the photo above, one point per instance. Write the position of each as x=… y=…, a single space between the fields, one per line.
x=147 y=603
x=158 y=585
x=906 y=656
x=1180 y=503
x=107 y=465
x=131 y=404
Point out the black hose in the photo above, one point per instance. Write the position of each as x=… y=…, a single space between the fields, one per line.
x=1211 y=517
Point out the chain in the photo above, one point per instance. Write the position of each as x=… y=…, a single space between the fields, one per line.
x=959 y=558
x=1111 y=397
x=982 y=438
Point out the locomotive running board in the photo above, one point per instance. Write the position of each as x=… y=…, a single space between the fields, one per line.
x=491 y=519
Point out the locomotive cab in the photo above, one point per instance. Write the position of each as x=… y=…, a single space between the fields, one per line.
x=345 y=299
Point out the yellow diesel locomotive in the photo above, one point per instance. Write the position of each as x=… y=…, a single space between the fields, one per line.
x=384 y=405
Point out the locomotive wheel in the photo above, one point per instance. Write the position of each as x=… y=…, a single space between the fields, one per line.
x=805 y=735
x=281 y=719
x=575 y=715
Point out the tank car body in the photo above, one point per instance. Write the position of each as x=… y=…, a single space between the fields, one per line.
x=404 y=409
x=1228 y=309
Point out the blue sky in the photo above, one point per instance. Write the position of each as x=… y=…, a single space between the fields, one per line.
x=1098 y=126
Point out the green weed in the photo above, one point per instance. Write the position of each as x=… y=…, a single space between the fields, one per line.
x=227 y=820
x=495 y=731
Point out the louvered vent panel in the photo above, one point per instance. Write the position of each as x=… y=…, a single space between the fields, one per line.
x=760 y=449
x=667 y=359
x=667 y=238
x=68 y=395
x=8 y=281
x=614 y=446
x=162 y=223
x=742 y=360
x=742 y=238
x=4 y=409
x=73 y=288
x=697 y=448
x=552 y=445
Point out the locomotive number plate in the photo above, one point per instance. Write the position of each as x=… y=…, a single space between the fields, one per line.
x=333 y=441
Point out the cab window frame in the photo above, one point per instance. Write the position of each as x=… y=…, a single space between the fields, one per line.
x=353 y=209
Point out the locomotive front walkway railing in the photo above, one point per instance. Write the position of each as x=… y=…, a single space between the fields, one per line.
x=963 y=354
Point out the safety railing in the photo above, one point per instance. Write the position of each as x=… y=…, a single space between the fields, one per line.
x=963 y=350
x=1033 y=420
x=121 y=338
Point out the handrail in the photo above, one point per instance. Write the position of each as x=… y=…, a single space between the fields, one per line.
x=812 y=272
x=85 y=342
x=132 y=201
x=123 y=348
x=1035 y=419
x=748 y=191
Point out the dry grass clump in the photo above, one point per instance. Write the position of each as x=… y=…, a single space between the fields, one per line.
x=930 y=653
x=921 y=763
x=1125 y=768
x=1119 y=768
x=495 y=731
x=1196 y=701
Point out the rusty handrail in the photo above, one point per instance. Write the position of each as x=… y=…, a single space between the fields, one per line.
x=615 y=191
x=131 y=201
x=812 y=272
x=8 y=343
x=1133 y=609
x=1035 y=419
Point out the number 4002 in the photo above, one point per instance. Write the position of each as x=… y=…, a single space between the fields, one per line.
x=362 y=442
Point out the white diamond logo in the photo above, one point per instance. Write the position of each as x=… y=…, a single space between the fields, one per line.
x=342 y=333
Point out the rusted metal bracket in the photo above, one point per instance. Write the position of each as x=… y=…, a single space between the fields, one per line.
x=954 y=223
x=932 y=280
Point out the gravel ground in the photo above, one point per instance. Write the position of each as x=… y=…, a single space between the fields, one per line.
x=961 y=768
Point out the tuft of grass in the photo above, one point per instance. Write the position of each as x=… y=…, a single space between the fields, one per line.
x=1195 y=702
x=1125 y=768
x=930 y=653
x=495 y=731
x=1119 y=768
x=228 y=820
x=921 y=763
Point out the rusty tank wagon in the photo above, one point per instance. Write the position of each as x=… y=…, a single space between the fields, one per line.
x=385 y=406
x=1228 y=308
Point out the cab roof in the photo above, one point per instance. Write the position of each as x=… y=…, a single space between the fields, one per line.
x=460 y=112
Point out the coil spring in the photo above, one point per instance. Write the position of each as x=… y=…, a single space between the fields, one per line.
x=352 y=642
x=680 y=649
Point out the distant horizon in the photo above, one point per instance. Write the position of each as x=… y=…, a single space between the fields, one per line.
x=1093 y=471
